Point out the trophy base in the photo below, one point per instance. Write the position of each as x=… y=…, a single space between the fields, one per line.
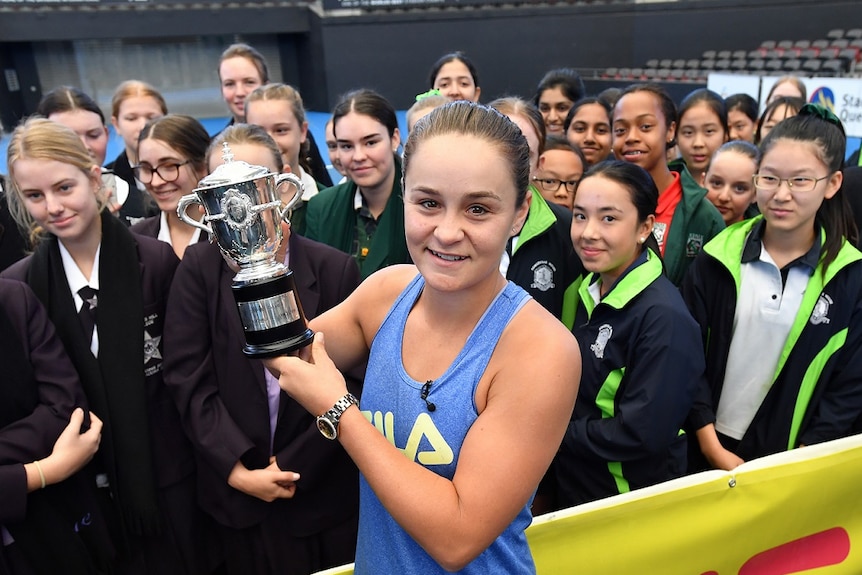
x=271 y=315
x=279 y=347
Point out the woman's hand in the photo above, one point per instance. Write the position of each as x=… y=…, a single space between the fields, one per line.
x=311 y=378
x=715 y=453
x=72 y=451
x=267 y=484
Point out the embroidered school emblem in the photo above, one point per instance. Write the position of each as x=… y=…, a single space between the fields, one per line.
x=543 y=275
x=693 y=245
x=821 y=309
x=658 y=230
x=604 y=335
x=151 y=347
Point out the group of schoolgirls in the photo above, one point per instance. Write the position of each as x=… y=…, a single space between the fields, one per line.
x=677 y=322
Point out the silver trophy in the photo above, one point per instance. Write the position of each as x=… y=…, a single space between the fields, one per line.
x=244 y=212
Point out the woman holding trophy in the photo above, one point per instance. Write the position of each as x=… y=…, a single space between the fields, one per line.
x=105 y=289
x=450 y=346
x=265 y=474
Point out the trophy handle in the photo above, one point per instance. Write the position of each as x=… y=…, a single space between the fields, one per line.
x=183 y=205
x=297 y=183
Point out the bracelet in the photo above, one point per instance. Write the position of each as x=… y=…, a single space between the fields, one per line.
x=41 y=474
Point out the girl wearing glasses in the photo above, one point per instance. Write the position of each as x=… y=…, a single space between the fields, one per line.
x=105 y=290
x=561 y=166
x=539 y=255
x=779 y=302
x=172 y=160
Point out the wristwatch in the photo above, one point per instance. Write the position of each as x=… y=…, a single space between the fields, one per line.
x=328 y=422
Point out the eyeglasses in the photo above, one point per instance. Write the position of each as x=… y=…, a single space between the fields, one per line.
x=553 y=184
x=796 y=183
x=167 y=172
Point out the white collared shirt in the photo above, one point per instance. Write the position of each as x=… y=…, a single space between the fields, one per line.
x=76 y=281
x=165 y=231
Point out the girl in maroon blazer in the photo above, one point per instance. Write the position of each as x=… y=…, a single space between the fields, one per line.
x=42 y=448
x=105 y=290
x=285 y=498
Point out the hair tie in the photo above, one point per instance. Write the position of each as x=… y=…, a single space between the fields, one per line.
x=429 y=93
x=821 y=112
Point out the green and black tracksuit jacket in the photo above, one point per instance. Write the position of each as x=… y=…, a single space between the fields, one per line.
x=642 y=362
x=816 y=392
x=544 y=263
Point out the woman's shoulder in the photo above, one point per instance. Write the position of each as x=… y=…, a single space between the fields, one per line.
x=535 y=335
x=18 y=270
x=148 y=226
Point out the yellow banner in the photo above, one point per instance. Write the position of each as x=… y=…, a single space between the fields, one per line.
x=794 y=512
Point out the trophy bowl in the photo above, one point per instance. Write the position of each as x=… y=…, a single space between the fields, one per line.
x=243 y=215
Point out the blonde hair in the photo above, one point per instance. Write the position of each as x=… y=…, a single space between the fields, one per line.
x=289 y=94
x=246 y=134
x=132 y=89
x=42 y=139
x=426 y=103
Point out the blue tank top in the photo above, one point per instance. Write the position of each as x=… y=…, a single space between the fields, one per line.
x=392 y=401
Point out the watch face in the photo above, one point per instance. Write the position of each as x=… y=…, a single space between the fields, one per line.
x=326 y=428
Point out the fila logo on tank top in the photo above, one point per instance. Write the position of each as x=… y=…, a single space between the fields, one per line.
x=434 y=450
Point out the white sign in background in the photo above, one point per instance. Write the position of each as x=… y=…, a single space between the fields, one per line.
x=841 y=95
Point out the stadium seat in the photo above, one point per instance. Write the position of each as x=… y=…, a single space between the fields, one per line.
x=820 y=44
x=625 y=74
x=610 y=73
x=834 y=66
x=775 y=54
x=768 y=45
x=854 y=34
x=802 y=44
x=774 y=65
x=693 y=75
x=840 y=43
x=829 y=53
x=856 y=43
x=650 y=73
x=678 y=64
x=652 y=63
x=707 y=65
x=739 y=65
x=722 y=64
x=755 y=54
x=785 y=44
x=708 y=55
x=738 y=54
x=665 y=63
x=692 y=63
x=756 y=64
x=792 y=65
x=637 y=73
x=851 y=54
x=809 y=53
x=835 y=34
x=723 y=55
x=663 y=73
x=677 y=74
x=812 y=66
